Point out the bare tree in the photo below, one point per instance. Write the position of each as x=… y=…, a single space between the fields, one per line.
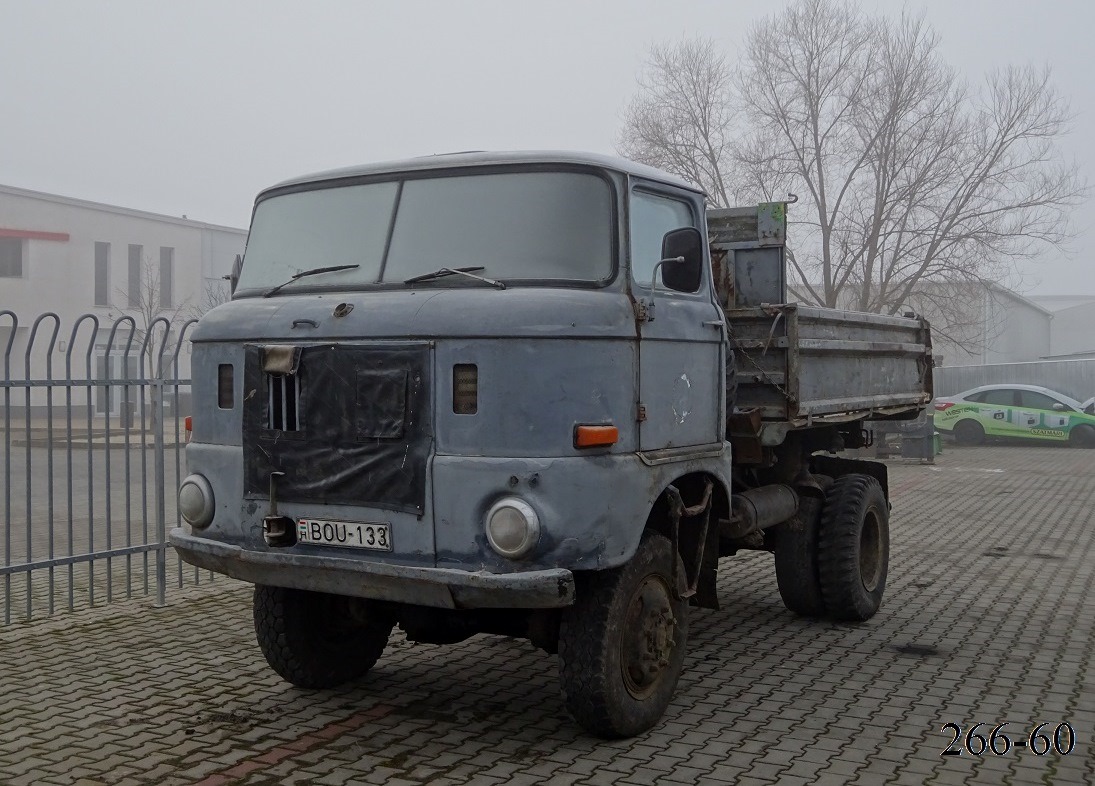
x=681 y=120
x=914 y=185
x=146 y=305
x=214 y=292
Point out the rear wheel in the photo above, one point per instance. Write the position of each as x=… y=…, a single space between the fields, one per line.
x=315 y=639
x=1082 y=436
x=969 y=432
x=622 y=643
x=796 y=560
x=854 y=547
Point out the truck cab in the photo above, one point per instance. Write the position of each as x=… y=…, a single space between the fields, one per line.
x=474 y=393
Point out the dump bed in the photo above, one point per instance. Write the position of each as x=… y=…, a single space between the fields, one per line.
x=802 y=365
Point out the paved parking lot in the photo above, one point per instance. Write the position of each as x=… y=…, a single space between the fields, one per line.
x=988 y=618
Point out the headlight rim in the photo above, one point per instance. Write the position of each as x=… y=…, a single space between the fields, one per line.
x=532 y=527
x=205 y=488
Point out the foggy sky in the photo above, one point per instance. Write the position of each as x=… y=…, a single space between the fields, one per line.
x=189 y=108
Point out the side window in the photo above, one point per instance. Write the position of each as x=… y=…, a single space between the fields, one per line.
x=1001 y=398
x=651 y=217
x=1033 y=400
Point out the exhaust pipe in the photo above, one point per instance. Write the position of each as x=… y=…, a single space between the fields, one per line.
x=760 y=508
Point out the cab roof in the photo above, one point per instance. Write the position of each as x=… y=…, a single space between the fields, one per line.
x=479 y=158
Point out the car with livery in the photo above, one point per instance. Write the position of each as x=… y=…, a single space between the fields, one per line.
x=1028 y=412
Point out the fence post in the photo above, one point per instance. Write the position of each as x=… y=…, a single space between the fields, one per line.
x=160 y=474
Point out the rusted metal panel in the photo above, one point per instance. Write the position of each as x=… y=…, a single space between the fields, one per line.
x=748 y=255
x=743 y=431
x=799 y=364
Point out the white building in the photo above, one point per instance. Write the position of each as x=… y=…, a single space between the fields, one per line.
x=982 y=324
x=1073 y=328
x=73 y=257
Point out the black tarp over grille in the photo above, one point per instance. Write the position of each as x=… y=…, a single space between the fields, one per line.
x=363 y=426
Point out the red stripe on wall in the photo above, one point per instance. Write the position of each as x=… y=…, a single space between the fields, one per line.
x=33 y=234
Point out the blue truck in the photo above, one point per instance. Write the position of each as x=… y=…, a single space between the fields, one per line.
x=536 y=395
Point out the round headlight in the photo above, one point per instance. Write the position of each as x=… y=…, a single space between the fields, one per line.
x=512 y=527
x=196 y=501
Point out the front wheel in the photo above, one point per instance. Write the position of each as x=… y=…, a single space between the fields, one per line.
x=622 y=643
x=315 y=639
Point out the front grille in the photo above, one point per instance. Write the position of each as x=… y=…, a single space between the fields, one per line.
x=283 y=412
x=342 y=423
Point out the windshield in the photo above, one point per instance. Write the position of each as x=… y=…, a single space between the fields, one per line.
x=512 y=226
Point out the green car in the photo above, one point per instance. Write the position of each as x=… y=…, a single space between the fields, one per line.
x=1015 y=411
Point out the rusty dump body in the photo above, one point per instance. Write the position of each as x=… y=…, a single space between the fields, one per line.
x=800 y=366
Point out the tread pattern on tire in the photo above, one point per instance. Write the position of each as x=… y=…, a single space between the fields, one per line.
x=585 y=636
x=288 y=626
x=845 y=596
x=796 y=561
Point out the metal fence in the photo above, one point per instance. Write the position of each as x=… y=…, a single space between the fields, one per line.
x=91 y=455
x=1074 y=378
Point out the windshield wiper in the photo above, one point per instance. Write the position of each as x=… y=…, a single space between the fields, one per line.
x=455 y=271
x=313 y=272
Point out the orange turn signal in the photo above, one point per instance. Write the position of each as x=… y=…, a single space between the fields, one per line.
x=595 y=436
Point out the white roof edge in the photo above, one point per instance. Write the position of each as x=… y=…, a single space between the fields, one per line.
x=1017 y=296
x=125 y=211
x=490 y=158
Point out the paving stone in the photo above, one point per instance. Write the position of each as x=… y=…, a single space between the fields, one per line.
x=126 y=693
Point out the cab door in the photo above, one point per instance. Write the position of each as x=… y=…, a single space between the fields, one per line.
x=681 y=339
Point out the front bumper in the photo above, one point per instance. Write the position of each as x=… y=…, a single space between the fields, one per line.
x=439 y=587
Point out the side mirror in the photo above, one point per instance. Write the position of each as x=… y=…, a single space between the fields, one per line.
x=1059 y=407
x=234 y=277
x=682 y=255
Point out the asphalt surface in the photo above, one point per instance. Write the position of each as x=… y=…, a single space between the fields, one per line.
x=987 y=618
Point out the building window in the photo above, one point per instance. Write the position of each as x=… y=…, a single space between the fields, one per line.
x=167 y=277
x=135 y=276
x=102 y=274
x=11 y=257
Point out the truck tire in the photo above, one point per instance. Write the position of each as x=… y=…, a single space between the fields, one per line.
x=622 y=643
x=853 y=547
x=796 y=561
x=313 y=639
x=969 y=432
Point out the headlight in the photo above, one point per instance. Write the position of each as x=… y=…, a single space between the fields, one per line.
x=512 y=527
x=196 y=501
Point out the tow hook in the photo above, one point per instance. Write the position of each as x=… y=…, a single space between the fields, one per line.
x=277 y=530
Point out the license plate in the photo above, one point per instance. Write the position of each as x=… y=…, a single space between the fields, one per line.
x=372 y=535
